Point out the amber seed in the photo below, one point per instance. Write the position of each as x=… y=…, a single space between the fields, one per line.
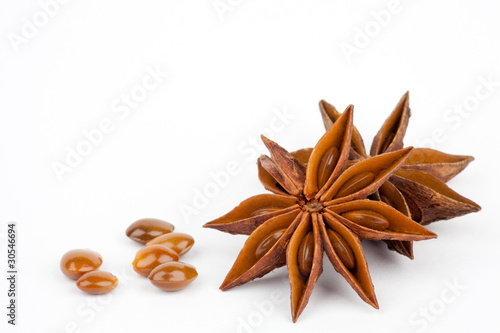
x=367 y=218
x=97 y=282
x=179 y=242
x=342 y=249
x=151 y=256
x=268 y=242
x=327 y=165
x=355 y=184
x=77 y=262
x=173 y=275
x=144 y=230
x=305 y=254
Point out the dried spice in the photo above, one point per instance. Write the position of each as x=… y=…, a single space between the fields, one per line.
x=97 y=282
x=179 y=242
x=75 y=263
x=159 y=258
x=147 y=258
x=144 y=230
x=173 y=276
x=315 y=209
x=418 y=188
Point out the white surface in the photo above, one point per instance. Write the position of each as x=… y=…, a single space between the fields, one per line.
x=227 y=77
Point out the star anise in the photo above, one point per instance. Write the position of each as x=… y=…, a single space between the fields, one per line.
x=418 y=188
x=321 y=207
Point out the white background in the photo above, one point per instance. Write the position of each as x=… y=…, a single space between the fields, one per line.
x=229 y=74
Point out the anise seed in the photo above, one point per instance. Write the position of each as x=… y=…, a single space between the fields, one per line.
x=367 y=218
x=342 y=249
x=305 y=254
x=355 y=184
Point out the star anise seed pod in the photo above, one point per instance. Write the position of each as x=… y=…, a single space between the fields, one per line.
x=315 y=209
x=418 y=188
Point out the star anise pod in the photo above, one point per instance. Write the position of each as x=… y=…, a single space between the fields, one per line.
x=418 y=188
x=315 y=209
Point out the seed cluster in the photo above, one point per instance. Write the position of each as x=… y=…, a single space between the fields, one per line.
x=82 y=265
x=159 y=258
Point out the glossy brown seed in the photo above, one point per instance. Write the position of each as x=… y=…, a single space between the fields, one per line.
x=179 y=242
x=97 y=282
x=355 y=184
x=267 y=243
x=77 y=262
x=144 y=230
x=367 y=218
x=327 y=165
x=305 y=254
x=151 y=256
x=342 y=249
x=173 y=275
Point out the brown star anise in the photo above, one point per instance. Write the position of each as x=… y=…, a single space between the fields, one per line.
x=418 y=188
x=321 y=207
